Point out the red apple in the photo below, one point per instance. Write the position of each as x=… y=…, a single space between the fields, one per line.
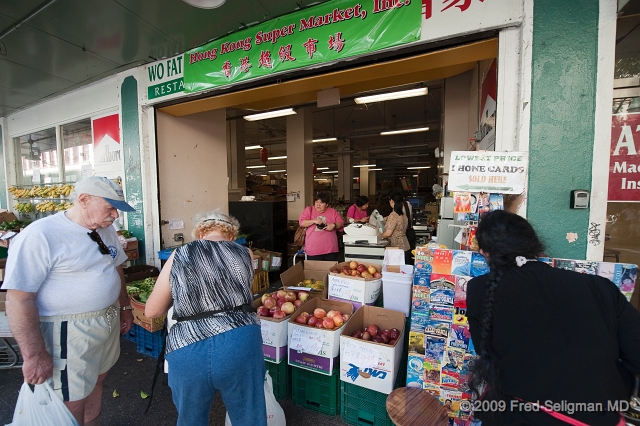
x=394 y=333
x=303 y=295
x=288 y=308
x=366 y=275
x=353 y=264
x=376 y=339
x=279 y=315
x=355 y=273
x=392 y=342
x=355 y=333
x=312 y=321
x=290 y=296
x=346 y=270
x=319 y=313
x=281 y=294
x=264 y=296
x=385 y=331
x=319 y=324
x=372 y=269
x=373 y=330
x=300 y=319
x=328 y=323
x=263 y=311
x=377 y=275
x=337 y=320
x=280 y=302
x=333 y=313
x=361 y=268
x=269 y=302
x=384 y=338
x=306 y=316
x=297 y=303
x=274 y=310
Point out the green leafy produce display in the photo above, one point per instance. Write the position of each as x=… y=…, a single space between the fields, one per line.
x=14 y=224
x=141 y=289
x=126 y=233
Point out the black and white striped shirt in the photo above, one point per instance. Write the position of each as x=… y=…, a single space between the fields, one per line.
x=209 y=276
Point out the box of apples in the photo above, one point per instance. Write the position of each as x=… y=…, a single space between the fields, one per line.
x=274 y=310
x=358 y=283
x=371 y=347
x=314 y=270
x=314 y=334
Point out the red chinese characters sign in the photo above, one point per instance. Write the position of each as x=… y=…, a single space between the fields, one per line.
x=624 y=163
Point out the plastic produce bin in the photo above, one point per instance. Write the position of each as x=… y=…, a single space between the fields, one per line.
x=363 y=407
x=316 y=391
x=396 y=288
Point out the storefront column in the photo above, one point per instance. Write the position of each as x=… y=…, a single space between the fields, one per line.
x=458 y=114
x=563 y=104
x=299 y=161
x=3 y=179
x=237 y=163
x=364 y=181
x=372 y=185
x=345 y=170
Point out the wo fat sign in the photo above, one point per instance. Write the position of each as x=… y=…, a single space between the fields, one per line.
x=164 y=77
x=624 y=163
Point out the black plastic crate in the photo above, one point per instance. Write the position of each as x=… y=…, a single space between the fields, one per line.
x=316 y=391
x=281 y=377
x=149 y=343
x=363 y=407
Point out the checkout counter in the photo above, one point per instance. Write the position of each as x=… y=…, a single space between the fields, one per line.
x=362 y=241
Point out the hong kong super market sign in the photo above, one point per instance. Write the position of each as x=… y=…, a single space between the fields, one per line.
x=480 y=171
x=327 y=32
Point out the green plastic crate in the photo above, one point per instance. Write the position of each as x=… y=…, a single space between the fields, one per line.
x=281 y=377
x=316 y=391
x=363 y=407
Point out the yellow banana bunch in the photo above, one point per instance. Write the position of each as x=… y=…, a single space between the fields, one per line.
x=65 y=190
x=65 y=205
x=46 y=206
x=23 y=207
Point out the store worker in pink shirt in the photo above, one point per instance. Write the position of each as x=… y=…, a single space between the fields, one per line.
x=321 y=221
x=358 y=211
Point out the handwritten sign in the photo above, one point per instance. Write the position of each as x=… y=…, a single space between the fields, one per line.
x=364 y=356
x=306 y=340
x=266 y=327
x=479 y=171
x=341 y=288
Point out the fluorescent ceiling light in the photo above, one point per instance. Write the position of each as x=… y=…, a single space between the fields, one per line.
x=364 y=165
x=325 y=140
x=277 y=171
x=205 y=4
x=270 y=114
x=247 y=148
x=399 y=132
x=374 y=169
x=421 y=145
x=322 y=168
x=282 y=157
x=420 y=167
x=320 y=179
x=328 y=173
x=393 y=95
x=415 y=175
x=255 y=167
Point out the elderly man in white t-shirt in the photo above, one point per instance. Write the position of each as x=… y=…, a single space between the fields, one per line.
x=66 y=301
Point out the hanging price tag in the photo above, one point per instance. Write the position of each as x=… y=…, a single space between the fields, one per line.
x=363 y=356
x=341 y=288
x=306 y=340
x=267 y=332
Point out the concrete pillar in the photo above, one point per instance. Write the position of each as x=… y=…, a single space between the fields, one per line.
x=299 y=161
x=458 y=111
x=345 y=170
x=237 y=163
x=372 y=185
x=364 y=180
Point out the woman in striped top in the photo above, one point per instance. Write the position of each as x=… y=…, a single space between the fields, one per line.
x=216 y=344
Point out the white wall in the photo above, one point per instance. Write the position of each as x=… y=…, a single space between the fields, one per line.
x=192 y=168
x=460 y=112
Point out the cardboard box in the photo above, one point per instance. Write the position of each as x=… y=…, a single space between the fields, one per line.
x=317 y=270
x=149 y=324
x=140 y=272
x=4 y=325
x=316 y=349
x=7 y=217
x=366 y=363
x=354 y=289
x=274 y=336
x=132 y=249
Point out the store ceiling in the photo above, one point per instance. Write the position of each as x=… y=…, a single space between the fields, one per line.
x=70 y=43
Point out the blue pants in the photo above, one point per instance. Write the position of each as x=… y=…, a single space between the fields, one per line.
x=231 y=363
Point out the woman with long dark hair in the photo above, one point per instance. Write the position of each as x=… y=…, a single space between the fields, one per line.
x=546 y=335
x=395 y=227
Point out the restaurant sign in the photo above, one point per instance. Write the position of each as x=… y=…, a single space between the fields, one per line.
x=488 y=171
x=324 y=33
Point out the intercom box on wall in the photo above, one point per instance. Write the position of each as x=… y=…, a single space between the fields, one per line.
x=579 y=199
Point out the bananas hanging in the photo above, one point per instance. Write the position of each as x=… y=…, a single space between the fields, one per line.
x=52 y=206
x=53 y=191
x=23 y=207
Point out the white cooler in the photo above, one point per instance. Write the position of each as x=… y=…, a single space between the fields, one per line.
x=397 y=287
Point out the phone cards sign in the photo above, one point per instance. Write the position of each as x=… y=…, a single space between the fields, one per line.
x=497 y=172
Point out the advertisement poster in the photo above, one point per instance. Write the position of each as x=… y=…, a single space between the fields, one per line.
x=107 y=149
x=624 y=162
x=488 y=171
x=488 y=103
x=323 y=33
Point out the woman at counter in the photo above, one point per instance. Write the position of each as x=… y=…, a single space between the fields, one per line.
x=358 y=211
x=396 y=227
x=322 y=222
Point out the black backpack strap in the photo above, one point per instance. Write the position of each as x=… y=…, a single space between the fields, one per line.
x=159 y=366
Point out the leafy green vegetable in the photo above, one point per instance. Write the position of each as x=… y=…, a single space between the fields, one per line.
x=141 y=289
x=125 y=233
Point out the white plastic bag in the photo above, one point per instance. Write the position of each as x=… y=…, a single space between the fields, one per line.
x=41 y=407
x=275 y=413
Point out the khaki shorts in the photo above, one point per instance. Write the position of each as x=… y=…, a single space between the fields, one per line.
x=82 y=346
